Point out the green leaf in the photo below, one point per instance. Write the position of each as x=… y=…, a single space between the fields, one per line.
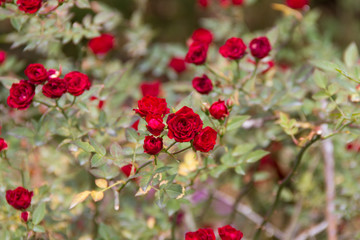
x=97 y=160
x=320 y=79
x=39 y=213
x=145 y=181
x=256 y=155
x=333 y=88
x=84 y=146
x=38 y=228
x=98 y=147
x=83 y=3
x=243 y=148
x=320 y=95
x=236 y=122
x=116 y=150
x=325 y=65
x=162 y=169
x=174 y=190
x=239 y=170
x=351 y=55
x=131 y=135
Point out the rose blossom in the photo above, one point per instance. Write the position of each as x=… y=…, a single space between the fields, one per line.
x=201 y=234
x=21 y=95
x=150 y=105
x=229 y=233
x=205 y=140
x=135 y=125
x=202 y=84
x=202 y=35
x=297 y=4
x=29 y=6
x=101 y=44
x=197 y=53
x=153 y=145
x=126 y=170
x=203 y=3
x=155 y=125
x=184 y=125
x=260 y=47
x=219 y=110
x=234 y=48
x=238 y=2
x=54 y=88
x=150 y=88
x=77 y=83
x=25 y=216
x=36 y=73
x=177 y=64
x=3 y=144
x=2 y=55
x=19 y=198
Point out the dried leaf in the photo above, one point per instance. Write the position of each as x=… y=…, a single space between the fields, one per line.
x=101 y=183
x=97 y=196
x=80 y=197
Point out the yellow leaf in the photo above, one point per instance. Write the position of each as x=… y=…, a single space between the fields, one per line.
x=80 y=197
x=141 y=192
x=97 y=196
x=287 y=10
x=189 y=164
x=182 y=193
x=101 y=183
x=151 y=222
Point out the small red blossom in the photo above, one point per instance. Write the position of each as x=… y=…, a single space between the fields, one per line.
x=202 y=35
x=297 y=4
x=219 y=110
x=2 y=54
x=260 y=47
x=202 y=84
x=203 y=3
x=77 y=83
x=3 y=144
x=25 y=216
x=135 y=125
x=21 y=95
x=126 y=170
x=234 y=49
x=197 y=53
x=19 y=198
x=155 y=125
x=29 y=6
x=229 y=233
x=102 y=44
x=237 y=2
x=205 y=140
x=201 y=234
x=177 y=64
x=151 y=88
x=36 y=73
x=153 y=145
x=54 y=88
x=154 y=106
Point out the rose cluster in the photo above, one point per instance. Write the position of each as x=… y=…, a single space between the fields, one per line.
x=183 y=126
x=29 y=6
x=20 y=199
x=23 y=92
x=226 y=233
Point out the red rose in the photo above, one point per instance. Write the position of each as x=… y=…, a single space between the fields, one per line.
x=135 y=125
x=177 y=64
x=3 y=144
x=219 y=110
x=54 y=88
x=229 y=233
x=151 y=88
x=25 y=216
x=154 y=106
x=2 y=55
x=197 y=53
x=184 y=125
x=102 y=44
x=77 y=83
x=21 y=95
x=2 y=1
x=126 y=170
x=19 y=198
x=29 y=6
x=260 y=47
x=155 y=125
x=297 y=4
x=234 y=48
x=205 y=140
x=202 y=84
x=202 y=35
x=237 y=2
x=36 y=73
x=153 y=145
x=203 y=3
x=201 y=234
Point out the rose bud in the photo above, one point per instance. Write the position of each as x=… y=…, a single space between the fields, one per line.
x=102 y=44
x=184 y=125
x=21 y=95
x=203 y=3
x=153 y=145
x=197 y=53
x=77 y=83
x=229 y=233
x=202 y=35
x=151 y=88
x=205 y=107
x=29 y=6
x=201 y=234
x=219 y=110
x=154 y=106
x=297 y=4
x=205 y=140
x=177 y=64
x=19 y=198
x=234 y=48
x=238 y=2
x=101 y=104
x=2 y=55
x=260 y=47
x=54 y=88
x=3 y=144
x=25 y=216
x=126 y=170
x=202 y=84
x=155 y=125
x=36 y=73
x=135 y=125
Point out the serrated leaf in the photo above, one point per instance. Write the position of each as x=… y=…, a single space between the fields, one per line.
x=97 y=195
x=175 y=191
x=79 y=198
x=256 y=155
x=116 y=150
x=162 y=169
x=39 y=213
x=131 y=135
x=98 y=147
x=351 y=55
x=320 y=79
x=320 y=95
x=84 y=146
x=97 y=160
x=243 y=148
x=236 y=122
x=333 y=88
x=101 y=183
x=145 y=181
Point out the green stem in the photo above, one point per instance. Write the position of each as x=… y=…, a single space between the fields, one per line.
x=216 y=74
x=167 y=149
x=182 y=150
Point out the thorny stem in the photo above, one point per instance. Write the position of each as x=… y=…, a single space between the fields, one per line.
x=182 y=150
x=167 y=149
x=215 y=73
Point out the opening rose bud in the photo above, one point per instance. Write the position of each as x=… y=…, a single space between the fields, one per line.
x=3 y=144
x=219 y=110
x=197 y=53
x=155 y=125
x=153 y=145
x=25 y=216
x=177 y=64
x=260 y=47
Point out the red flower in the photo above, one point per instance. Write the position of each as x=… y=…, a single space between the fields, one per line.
x=29 y=6
x=54 y=88
x=197 y=53
x=155 y=125
x=202 y=35
x=184 y=125
x=229 y=233
x=2 y=55
x=153 y=145
x=203 y=3
x=25 y=216
x=21 y=95
x=205 y=140
x=177 y=64
x=201 y=234
x=3 y=144
x=135 y=125
x=238 y=2
x=260 y=47
x=77 y=83
x=19 y=198
x=126 y=170
x=219 y=110
x=151 y=88
x=36 y=73
x=297 y=4
x=202 y=84
x=234 y=48
x=101 y=44
x=154 y=106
